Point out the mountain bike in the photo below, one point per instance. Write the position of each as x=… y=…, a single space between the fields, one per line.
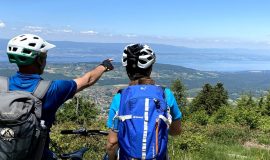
x=78 y=154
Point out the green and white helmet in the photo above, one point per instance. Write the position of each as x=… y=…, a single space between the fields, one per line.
x=23 y=49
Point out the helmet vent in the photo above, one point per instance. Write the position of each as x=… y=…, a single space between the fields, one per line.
x=22 y=35
x=32 y=44
x=144 y=53
x=27 y=51
x=9 y=48
x=42 y=46
x=36 y=38
x=14 y=49
x=24 y=39
x=142 y=62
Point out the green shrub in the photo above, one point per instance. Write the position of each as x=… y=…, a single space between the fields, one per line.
x=79 y=109
x=227 y=133
x=264 y=123
x=262 y=137
x=248 y=116
x=199 y=117
x=225 y=115
x=188 y=141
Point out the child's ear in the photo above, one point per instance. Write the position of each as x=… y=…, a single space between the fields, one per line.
x=39 y=60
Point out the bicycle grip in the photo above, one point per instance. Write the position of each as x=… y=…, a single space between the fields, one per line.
x=67 y=132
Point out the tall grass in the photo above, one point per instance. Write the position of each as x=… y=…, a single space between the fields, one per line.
x=211 y=142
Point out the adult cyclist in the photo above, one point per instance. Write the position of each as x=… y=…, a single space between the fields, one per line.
x=29 y=52
x=138 y=59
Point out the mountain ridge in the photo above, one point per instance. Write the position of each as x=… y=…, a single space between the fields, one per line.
x=237 y=83
x=203 y=59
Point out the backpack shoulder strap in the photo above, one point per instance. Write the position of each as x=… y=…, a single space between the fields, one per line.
x=163 y=89
x=120 y=91
x=41 y=89
x=4 y=83
x=40 y=92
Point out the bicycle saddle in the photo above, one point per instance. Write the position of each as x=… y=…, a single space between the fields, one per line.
x=76 y=155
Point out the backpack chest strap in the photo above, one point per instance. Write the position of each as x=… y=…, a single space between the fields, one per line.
x=124 y=117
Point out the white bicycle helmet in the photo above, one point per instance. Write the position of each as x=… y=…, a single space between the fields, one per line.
x=138 y=55
x=23 y=49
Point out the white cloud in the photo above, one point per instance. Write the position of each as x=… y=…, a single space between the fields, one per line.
x=33 y=29
x=2 y=24
x=131 y=35
x=89 y=32
x=65 y=30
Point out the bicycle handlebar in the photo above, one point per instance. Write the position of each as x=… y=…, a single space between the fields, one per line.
x=85 y=132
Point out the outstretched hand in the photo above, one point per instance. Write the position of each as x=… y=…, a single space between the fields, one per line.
x=107 y=64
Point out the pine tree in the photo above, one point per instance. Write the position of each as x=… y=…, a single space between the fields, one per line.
x=179 y=92
x=267 y=104
x=220 y=96
x=210 y=98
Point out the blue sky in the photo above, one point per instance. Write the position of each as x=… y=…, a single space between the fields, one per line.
x=190 y=23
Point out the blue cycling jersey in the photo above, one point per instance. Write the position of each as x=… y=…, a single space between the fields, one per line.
x=174 y=109
x=57 y=94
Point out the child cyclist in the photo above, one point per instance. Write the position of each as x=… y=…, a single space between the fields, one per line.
x=131 y=129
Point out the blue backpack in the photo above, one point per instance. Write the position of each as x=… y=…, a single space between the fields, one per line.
x=143 y=122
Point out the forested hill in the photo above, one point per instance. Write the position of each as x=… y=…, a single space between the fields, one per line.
x=237 y=83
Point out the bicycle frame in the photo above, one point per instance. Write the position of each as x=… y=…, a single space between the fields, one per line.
x=78 y=155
